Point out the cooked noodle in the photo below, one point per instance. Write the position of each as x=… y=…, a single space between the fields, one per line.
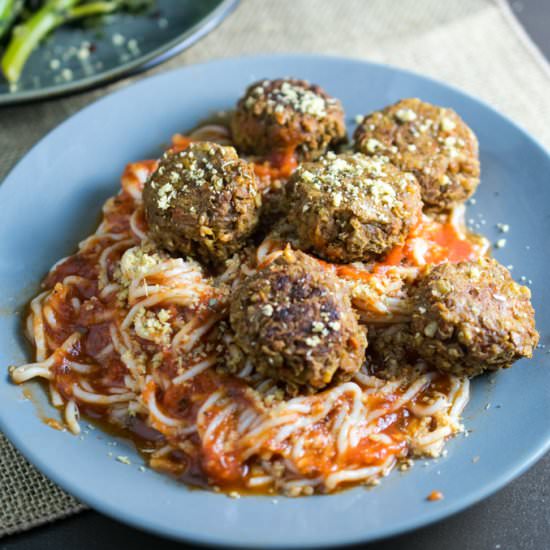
x=153 y=354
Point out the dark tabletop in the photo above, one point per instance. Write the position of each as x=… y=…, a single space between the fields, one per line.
x=516 y=518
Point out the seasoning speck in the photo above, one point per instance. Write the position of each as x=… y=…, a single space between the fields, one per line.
x=123 y=459
x=313 y=341
x=118 y=39
x=267 y=310
x=448 y=125
x=405 y=115
x=435 y=495
x=67 y=74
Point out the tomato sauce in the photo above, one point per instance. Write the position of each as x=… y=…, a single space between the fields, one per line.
x=443 y=242
x=221 y=461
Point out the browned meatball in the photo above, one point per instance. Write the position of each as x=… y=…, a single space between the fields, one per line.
x=352 y=207
x=282 y=114
x=471 y=317
x=295 y=322
x=432 y=142
x=202 y=202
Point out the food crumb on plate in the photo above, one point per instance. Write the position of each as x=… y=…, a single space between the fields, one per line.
x=435 y=495
x=503 y=227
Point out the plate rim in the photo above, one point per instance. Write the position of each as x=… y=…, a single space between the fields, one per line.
x=142 y=63
x=458 y=504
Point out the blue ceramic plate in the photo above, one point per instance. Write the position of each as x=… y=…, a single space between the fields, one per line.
x=74 y=58
x=51 y=200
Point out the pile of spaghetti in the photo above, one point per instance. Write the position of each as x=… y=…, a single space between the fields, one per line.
x=129 y=335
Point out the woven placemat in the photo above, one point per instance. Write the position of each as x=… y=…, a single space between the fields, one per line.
x=28 y=498
x=474 y=44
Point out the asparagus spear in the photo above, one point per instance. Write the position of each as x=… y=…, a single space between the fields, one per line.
x=27 y=35
x=9 y=12
x=53 y=14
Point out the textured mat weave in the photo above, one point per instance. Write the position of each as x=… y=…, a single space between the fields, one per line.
x=27 y=498
x=474 y=44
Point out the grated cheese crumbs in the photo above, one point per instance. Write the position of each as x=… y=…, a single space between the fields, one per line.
x=153 y=326
x=430 y=329
x=405 y=115
x=450 y=141
x=267 y=310
x=318 y=327
x=447 y=125
x=123 y=459
x=292 y=95
x=135 y=263
x=313 y=341
x=166 y=195
x=353 y=177
x=373 y=145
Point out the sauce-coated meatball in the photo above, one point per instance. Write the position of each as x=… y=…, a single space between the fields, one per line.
x=295 y=322
x=432 y=142
x=284 y=114
x=202 y=202
x=348 y=208
x=471 y=317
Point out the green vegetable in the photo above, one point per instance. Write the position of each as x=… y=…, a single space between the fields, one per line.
x=9 y=12
x=27 y=35
x=30 y=33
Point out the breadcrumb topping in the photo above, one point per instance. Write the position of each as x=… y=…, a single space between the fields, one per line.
x=153 y=326
x=353 y=177
x=135 y=263
x=167 y=194
x=405 y=115
x=292 y=95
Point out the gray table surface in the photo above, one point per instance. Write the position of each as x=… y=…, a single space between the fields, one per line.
x=516 y=518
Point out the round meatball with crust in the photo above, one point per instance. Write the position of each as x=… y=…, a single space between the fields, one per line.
x=471 y=317
x=431 y=142
x=287 y=114
x=294 y=320
x=202 y=202
x=351 y=207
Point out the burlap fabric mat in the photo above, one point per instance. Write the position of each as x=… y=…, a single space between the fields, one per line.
x=474 y=44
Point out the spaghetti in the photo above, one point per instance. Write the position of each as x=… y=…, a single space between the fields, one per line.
x=127 y=334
